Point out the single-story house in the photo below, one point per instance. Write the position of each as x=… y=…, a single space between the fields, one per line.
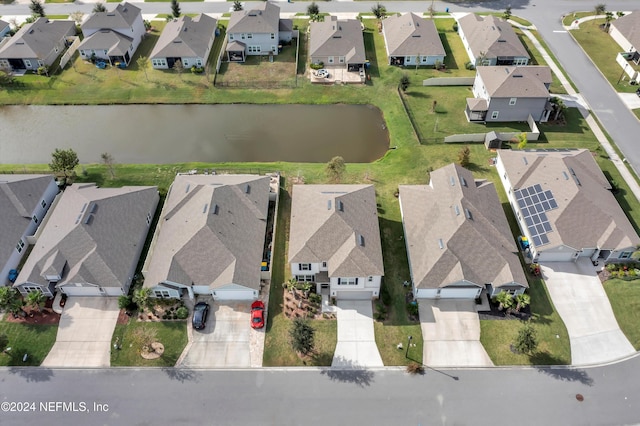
x=564 y=206
x=626 y=32
x=337 y=43
x=490 y=40
x=210 y=239
x=257 y=31
x=510 y=94
x=458 y=239
x=186 y=39
x=5 y=28
x=412 y=40
x=113 y=36
x=334 y=240
x=91 y=242
x=24 y=201
x=37 y=44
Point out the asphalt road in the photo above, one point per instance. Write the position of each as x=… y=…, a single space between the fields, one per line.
x=321 y=397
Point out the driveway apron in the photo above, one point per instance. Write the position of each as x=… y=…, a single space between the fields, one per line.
x=451 y=334
x=581 y=301
x=356 y=347
x=84 y=333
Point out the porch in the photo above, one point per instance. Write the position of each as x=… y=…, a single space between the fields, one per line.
x=340 y=74
x=476 y=109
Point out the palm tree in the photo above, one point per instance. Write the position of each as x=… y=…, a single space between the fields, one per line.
x=36 y=300
x=9 y=299
x=505 y=300
x=608 y=17
x=237 y=6
x=99 y=7
x=522 y=301
x=141 y=297
x=600 y=8
x=379 y=11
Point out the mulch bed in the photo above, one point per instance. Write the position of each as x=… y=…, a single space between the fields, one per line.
x=123 y=318
x=497 y=314
x=46 y=317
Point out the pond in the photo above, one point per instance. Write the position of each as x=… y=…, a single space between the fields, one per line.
x=163 y=134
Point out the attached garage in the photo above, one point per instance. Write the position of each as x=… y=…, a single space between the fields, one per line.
x=354 y=295
x=80 y=290
x=558 y=256
x=234 y=293
x=448 y=293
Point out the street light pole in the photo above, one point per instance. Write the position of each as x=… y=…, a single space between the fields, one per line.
x=406 y=354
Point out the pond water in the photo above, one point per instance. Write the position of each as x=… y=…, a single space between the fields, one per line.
x=183 y=133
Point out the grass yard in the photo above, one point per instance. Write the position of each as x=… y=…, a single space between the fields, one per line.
x=568 y=19
x=31 y=339
x=625 y=301
x=574 y=134
x=173 y=335
x=602 y=50
x=258 y=71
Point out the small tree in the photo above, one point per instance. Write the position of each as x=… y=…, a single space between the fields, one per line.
x=175 y=8
x=99 y=7
x=404 y=82
x=522 y=140
x=464 y=156
x=608 y=17
x=600 y=8
x=379 y=11
x=336 y=168
x=527 y=340
x=36 y=300
x=237 y=6
x=313 y=11
x=6 y=76
x=124 y=301
x=506 y=15
x=37 y=9
x=107 y=160
x=77 y=17
x=302 y=336
x=505 y=300
x=64 y=161
x=8 y=298
x=143 y=64
x=619 y=14
x=141 y=297
x=522 y=301
x=178 y=68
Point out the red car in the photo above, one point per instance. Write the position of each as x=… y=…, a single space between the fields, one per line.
x=257 y=314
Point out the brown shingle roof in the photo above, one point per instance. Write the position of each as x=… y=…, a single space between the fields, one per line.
x=185 y=37
x=492 y=36
x=629 y=27
x=516 y=82
x=334 y=37
x=263 y=18
x=411 y=35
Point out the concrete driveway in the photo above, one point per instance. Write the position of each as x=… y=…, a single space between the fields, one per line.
x=84 y=333
x=356 y=347
x=581 y=301
x=224 y=342
x=451 y=334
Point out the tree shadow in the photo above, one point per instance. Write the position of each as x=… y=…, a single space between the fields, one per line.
x=566 y=374
x=359 y=377
x=33 y=374
x=181 y=374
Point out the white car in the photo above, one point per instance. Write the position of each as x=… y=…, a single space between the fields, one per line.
x=321 y=73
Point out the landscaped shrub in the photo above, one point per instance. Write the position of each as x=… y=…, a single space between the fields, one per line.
x=415 y=368
x=412 y=309
x=381 y=312
x=455 y=27
x=197 y=70
x=317 y=66
x=469 y=66
x=182 y=312
x=385 y=296
x=315 y=298
x=43 y=70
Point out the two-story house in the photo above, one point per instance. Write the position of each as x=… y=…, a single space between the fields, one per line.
x=510 y=94
x=113 y=36
x=412 y=40
x=186 y=39
x=257 y=31
x=334 y=240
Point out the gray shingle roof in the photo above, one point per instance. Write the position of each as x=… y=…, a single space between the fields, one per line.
x=491 y=35
x=123 y=16
x=3 y=24
x=263 y=18
x=211 y=232
x=323 y=232
x=37 y=40
x=410 y=34
x=96 y=232
x=185 y=37
x=629 y=27
x=516 y=82
x=587 y=215
x=334 y=37
x=112 y=41
x=465 y=217
x=19 y=196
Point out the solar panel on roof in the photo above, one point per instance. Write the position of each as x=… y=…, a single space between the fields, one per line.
x=534 y=202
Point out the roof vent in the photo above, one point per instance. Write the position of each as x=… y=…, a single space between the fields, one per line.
x=328 y=204
x=525 y=161
x=88 y=219
x=452 y=180
x=566 y=176
x=463 y=181
x=186 y=190
x=340 y=206
x=204 y=209
x=440 y=243
x=247 y=189
x=111 y=14
x=83 y=208
x=467 y=213
x=361 y=240
x=457 y=209
x=216 y=209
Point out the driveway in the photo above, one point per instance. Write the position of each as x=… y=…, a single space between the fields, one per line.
x=356 y=346
x=451 y=334
x=84 y=333
x=581 y=301
x=225 y=341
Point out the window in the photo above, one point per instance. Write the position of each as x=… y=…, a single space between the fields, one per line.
x=486 y=62
x=341 y=59
x=230 y=36
x=494 y=115
x=254 y=49
x=20 y=246
x=513 y=101
x=31 y=289
x=106 y=52
x=55 y=48
x=625 y=255
x=242 y=36
x=149 y=218
x=330 y=59
x=273 y=36
x=43 y=204
x=370 y=279
x=324 y=264
x=347 y=281
x=305 y=278
x=199 y=62
x=520 y=61
x=131 y=29
x=27 y=63
x=304 y=266
x=249 y=35
x=185 y=63
x=162 y=294
x=35 y=218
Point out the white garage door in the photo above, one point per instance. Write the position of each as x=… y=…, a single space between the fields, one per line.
x=81 y=291
x=354 y=295
x=556 y=257
x=459 y=293
x=233 y=295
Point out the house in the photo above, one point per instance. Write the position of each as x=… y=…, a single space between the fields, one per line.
x=186 y=39
x=334 y=240
x=24 y=201
x=337 y=43
x=510 y=94
x=91 y=242
x=35 y=45
x=458 y=239
x=211 y=237
x=626 y=32
x=412 y=40
x=489 y=40
x=113 y=36
x=258 y=31
x=5 y=28
x=564 y=206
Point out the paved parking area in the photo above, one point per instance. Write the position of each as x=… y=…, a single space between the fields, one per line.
x=582 y=303
x=84 y=333
x=451 y=334
x=356 y=347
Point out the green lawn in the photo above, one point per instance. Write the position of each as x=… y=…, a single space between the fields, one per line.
x=568 y=19
x=625 y=301
x=172 y=334
x=637 y=112
x=34 y=340
x=602 y=50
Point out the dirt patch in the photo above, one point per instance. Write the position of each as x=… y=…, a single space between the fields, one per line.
x=123 y=317
x=45 y=317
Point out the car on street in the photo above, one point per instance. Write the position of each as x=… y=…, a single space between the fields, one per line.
x=257 y=314
x=200 y=313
